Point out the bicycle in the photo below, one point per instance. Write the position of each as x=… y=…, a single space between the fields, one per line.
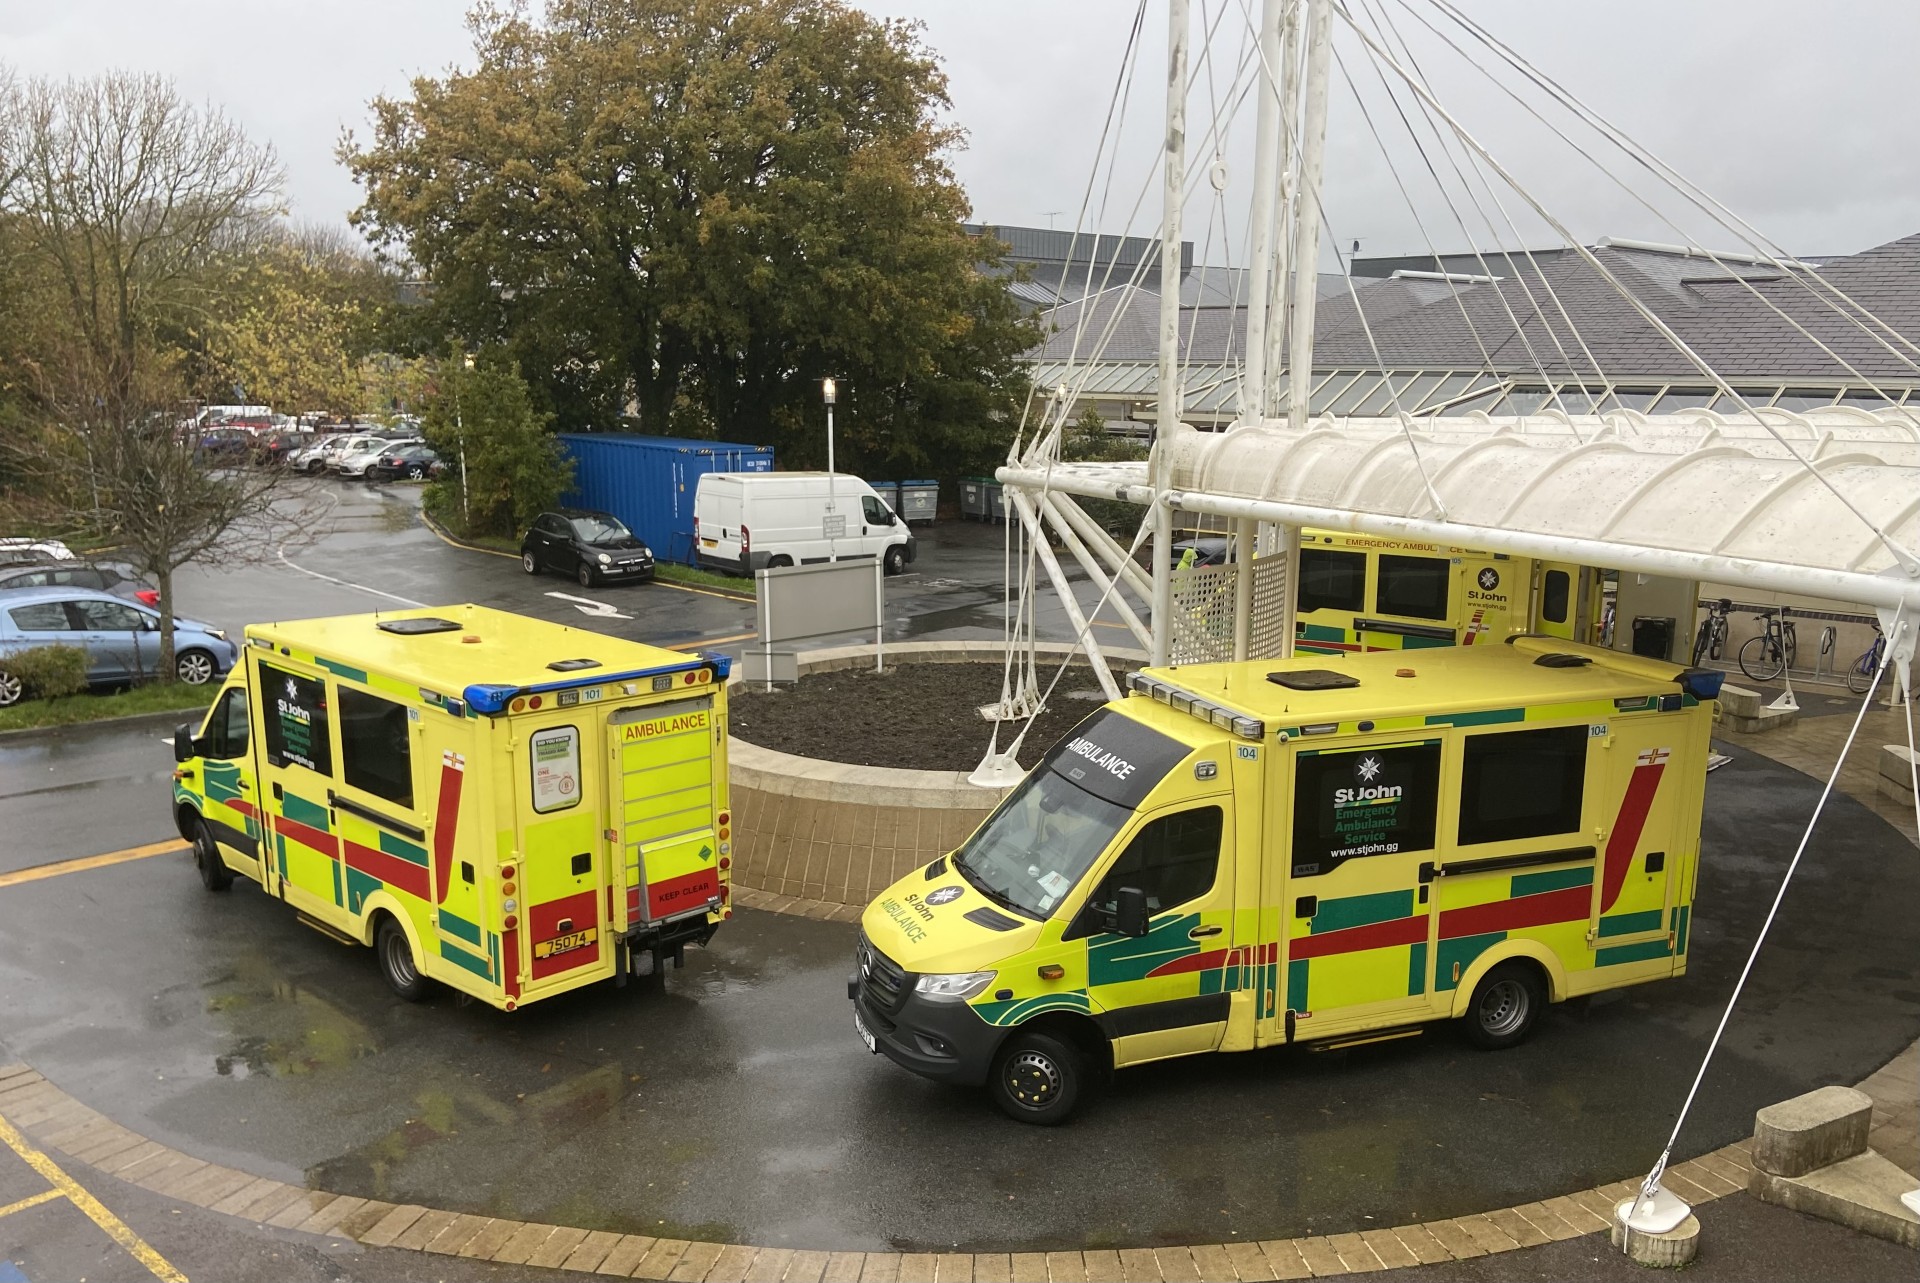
x=1712 y=637
x=1860 y=676
x=1774 y=650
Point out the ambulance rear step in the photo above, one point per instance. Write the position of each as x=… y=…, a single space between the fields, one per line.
x=332 y=933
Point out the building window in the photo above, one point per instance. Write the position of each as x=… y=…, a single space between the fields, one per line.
x=296 y=720
x=1414 y=586
x=1331 y=580
x=1174 y=859
x=1361 y=802
x=375 y=749
x=1516 y=785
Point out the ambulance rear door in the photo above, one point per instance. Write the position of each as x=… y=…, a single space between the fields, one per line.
x=1566 y=601
x=564 y=885
x=662 y=796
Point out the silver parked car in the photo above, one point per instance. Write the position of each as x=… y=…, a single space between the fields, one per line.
x=121 y=639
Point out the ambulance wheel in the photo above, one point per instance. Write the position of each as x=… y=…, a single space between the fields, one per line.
x=397 y=966
x=1505 y=1004
x=1037 y=1078
x=214 y=873
x=896 y=559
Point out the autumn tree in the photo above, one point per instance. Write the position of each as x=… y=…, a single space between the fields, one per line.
x=123 y=206
x=698 y=209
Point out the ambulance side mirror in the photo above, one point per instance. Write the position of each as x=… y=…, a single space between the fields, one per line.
x=183 y=746
x=1130 y=911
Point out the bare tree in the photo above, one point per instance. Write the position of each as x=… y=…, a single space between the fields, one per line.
x=124 y=201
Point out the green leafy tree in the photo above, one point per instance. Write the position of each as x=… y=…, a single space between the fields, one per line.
x=514 y=469
x=1087 y=440
x=696 y=209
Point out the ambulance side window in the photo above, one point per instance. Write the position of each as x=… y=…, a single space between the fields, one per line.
x=1522 y=784
x=375 y=752
x=228 y=727
x=295 y=720
x=1173 y=859
x=1414 y=586
x=1332 y=580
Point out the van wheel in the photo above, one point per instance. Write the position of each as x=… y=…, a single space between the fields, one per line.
x=214 y=873
x=397 y=966
x=1506 y=1002
x=528 y=564
x=779 y=563
x=1037 y=1079
x=896 y=559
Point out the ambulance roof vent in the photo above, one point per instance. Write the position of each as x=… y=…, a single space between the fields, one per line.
x=1313 y=679
x=417 y=627
x=1183 y=701
x=1560 y=659
x=572 y=665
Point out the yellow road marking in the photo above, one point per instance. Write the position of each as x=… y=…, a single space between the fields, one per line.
x=77 y=1194
x=717 y=641
x=85 y=862
x=44 y=1196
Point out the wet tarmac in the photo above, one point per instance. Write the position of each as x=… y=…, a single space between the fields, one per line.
x=735 y=1102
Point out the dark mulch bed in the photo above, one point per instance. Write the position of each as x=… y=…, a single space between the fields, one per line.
x=918 y=716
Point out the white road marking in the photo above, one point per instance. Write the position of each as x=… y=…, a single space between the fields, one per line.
x=588 y=606
x=344 y=583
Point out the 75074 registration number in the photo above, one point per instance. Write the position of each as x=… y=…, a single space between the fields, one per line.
x=565 y=944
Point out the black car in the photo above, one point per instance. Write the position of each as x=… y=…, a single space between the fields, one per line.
x=412 y=461
x=590 y=546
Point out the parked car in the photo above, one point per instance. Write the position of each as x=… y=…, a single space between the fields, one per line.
x=356 y=462
x=19 y=549
x=410 y=461
x=328 y=450
x=115 y=577
x=121 y=639
x=590 y=546
x=226 y=445
x=277 y=448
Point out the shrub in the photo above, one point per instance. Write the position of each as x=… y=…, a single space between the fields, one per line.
x=49 y=671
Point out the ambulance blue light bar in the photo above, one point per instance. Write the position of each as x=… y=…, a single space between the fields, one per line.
x=1185 y=701
x=488 y=698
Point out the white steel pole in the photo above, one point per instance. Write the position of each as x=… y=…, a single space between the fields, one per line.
x=1306 y=205
x=1244 y=530
x=1171 y=396
x=1277 y=290
x=833 y=548
x=1266 y=190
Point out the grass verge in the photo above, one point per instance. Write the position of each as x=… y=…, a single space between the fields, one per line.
x=71 y=710
x=675 y=573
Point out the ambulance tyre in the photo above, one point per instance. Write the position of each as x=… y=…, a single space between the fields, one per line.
x=397 y=967
x=214 y=873
x=1037 y=1078
x=1505 y=1004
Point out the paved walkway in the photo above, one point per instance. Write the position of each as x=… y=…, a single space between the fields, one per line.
x=60 y=1123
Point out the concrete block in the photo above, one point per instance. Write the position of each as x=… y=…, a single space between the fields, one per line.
x=1669 y=1251
x=1768 y=719
x=1861 y=1192
x=1808 y=1132
x=1896 y=764
x=1738 y=701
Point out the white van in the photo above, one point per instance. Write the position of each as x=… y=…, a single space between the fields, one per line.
x=745 y=520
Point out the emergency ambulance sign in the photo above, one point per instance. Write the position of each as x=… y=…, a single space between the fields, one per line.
x=556 y=768
x=1375 y=801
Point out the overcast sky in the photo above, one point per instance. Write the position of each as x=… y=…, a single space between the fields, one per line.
x=1802 y=117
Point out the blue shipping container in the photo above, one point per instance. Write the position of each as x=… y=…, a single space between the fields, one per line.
x=649 y=482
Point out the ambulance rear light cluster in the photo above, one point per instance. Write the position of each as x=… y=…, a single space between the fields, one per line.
x=491 y=700
x=1182 y=701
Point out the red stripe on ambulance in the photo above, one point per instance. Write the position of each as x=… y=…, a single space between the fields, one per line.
x=1624 y=842
x=401 y=874
x=446 y=819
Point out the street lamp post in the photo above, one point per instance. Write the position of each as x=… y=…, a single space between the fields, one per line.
x=460 y=427
x=828 y=392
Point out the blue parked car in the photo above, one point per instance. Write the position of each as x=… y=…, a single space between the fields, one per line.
x=121 y=638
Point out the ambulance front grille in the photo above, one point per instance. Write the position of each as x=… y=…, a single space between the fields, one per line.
x=884 y=980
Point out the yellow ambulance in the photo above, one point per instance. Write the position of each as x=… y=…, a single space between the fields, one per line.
x=1358 y=593
x=509 y=807
x=1243 y=855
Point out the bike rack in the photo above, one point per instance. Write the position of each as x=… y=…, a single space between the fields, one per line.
x=1828 y=637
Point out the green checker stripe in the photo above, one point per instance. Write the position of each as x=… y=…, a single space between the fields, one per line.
x=1644 y=952
x=301 y=811
x=455 y=925
x=1488 y=718
x=1362 y=910
x=1297 y=996
x=1555 y=880
x=1423 y=643
x=1013 y=1012
x=1417 y=970
x=411 y=852
x=1630 y=924
x=1121 y=959
x=454 y=954
x=1680 y=916
x=1461 y=950
x=1322 y=632
x=359 y=887
x=347 y=671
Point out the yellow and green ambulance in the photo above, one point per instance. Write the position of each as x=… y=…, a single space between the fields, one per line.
x=1243 y=855
x=506 y=806
x=1357 y=593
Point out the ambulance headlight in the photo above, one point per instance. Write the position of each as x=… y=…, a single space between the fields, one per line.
x=955 y=986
